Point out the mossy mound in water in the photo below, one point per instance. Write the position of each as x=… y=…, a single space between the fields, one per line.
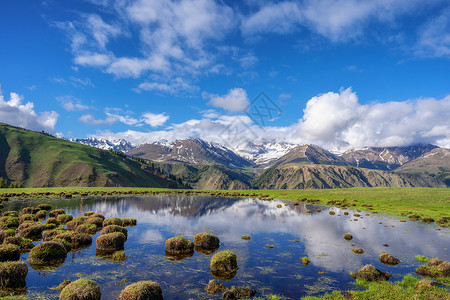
x=435 y=268
x=77 y=221
x=215 y=287
x=111 y=241
x=44 y=206
x=98 y=222
x=52 y=220
x=348 y=236
x=129 y=222
x=64 y=218
x=84 y=289
x=27 y=217
x=388 y=259
x=90 y=229
x=223 y=265
x=95 y=215
x=50 y=234
x=9 y=252
x=54 y=213
x=238 y=292
x=112 y=221
x=369 y=273
x=206 y=240
x=78 y=240
x=115 y=228
x=179 y=245
x=12 y=275
x=47 y=252
x=5 y=234
x=11 y=213
x=41 y=214
x=29 y=210
x=24 y=244
x=63 y=284
x=30 y=230
x=148 y=290
x=7 y=222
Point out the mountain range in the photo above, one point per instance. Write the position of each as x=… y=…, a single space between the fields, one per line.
x=37 y=159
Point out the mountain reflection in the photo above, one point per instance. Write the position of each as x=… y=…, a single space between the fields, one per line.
x=321 y=233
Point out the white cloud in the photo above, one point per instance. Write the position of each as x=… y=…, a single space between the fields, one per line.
x=174 y=87
x=15 y=113
x=155 y=120
x=175 y=37
x=331 y=120
x=71 y=103
x=90 y=120
x=338 y=20
x=339 y=120
x=283 y=17
x=92 y=59
x=235 y=101
x=434 y=37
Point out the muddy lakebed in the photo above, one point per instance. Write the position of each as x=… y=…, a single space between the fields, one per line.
x=281 y=233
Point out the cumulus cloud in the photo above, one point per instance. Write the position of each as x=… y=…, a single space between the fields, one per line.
x=155 y=120
x=114 y=115
x=334 y=120
x=71 y=103
x=175 y=37
x=174 y=87
x=434 y=37
x=338 y=20
x=14 y=112
x=235 y=101
x=339 y=120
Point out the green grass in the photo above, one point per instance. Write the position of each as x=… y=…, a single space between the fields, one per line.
x=427 y=202
x=422 y=258
x=388 y=290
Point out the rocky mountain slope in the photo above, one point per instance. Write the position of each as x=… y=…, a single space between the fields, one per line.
x=193 y=151
x=309 y=154
x=300 y=176
x=388 y=158
x=435 y=163
x=35 y=159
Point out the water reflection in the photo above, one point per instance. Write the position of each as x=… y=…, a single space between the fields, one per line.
x=294 y=231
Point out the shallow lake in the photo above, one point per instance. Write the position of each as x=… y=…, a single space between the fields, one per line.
x=290 y=229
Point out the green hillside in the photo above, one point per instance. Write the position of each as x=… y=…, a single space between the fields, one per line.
x=36 y=159
x=319 y=176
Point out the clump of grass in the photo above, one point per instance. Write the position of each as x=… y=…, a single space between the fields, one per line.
x=358 y=250
x=129 y=222
x=64 y=218
x=246 y=237
x=215 y=287
x=348 y=236
x=305 y=260
x=112 y=221
x=179 y=245
x=12 y=275
x=47 y=252
x=223 y=261
x=81 y=289
x=111 y=241
x=114 y=228
x=422 y=258
x=369 y=273
x=206 y=240
x=142 y=290
x=409 y=281
x=9 y=252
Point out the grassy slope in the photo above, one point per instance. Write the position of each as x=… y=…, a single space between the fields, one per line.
x=36 y=159
x=428 y=202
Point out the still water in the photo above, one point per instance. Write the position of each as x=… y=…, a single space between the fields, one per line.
x=291 y=230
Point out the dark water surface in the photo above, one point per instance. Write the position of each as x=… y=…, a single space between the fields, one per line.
x=292 y=231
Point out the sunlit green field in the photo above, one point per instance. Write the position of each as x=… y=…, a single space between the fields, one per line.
x=426 y=202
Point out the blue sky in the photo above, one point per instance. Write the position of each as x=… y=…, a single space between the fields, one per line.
x=341 y=74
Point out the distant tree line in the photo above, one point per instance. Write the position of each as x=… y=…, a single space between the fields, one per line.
x=4 y=184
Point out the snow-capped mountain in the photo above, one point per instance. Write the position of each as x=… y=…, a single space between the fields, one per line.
x=116 y=145
x=385 y=158
x=266 y=153
x=194 y=151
